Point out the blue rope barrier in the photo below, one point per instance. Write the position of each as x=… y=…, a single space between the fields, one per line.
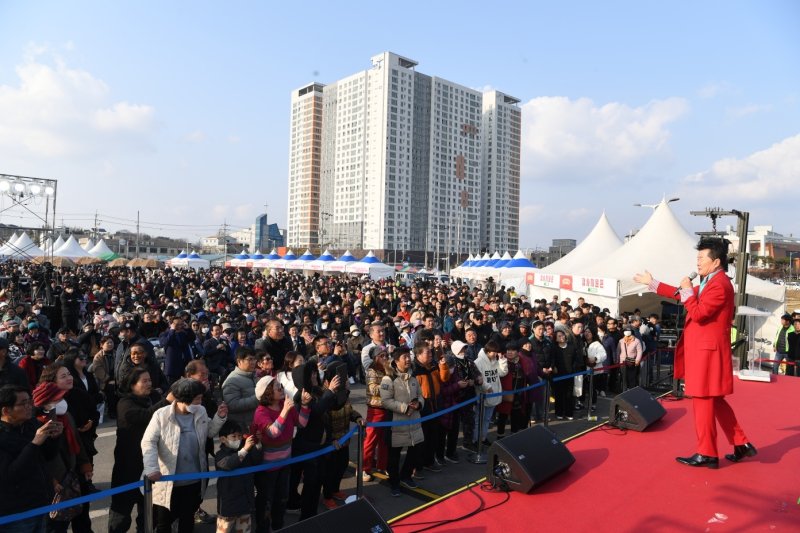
x=568 y=376
x=69 y=503
x=514 y=391
x=392 y=423
x=176 y=477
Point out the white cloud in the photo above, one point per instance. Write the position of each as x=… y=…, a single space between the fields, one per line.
x=750 y=109
x=577 y=139
x=713 y=89
x=531 y=213
x=54 y=110
x=197 y=136
x=770 y=174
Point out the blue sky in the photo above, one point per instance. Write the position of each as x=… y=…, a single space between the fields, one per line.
x=181 y=109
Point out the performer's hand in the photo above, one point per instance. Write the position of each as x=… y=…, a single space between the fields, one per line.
x=644 y=279
x=686 y=283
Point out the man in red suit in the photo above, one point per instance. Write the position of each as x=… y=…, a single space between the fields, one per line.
x=703 y=353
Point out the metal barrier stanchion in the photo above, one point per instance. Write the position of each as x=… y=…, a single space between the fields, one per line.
x=590 y=394
x=360 y=463
x=479 y=457
x=546 y=402
x=148 y=504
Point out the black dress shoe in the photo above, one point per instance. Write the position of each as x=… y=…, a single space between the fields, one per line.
x=740 y=451
x=699 y=460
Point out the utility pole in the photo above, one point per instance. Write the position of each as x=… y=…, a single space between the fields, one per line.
x=137 y=234
x=741 y=264
x=95 y=225
x=225 y=239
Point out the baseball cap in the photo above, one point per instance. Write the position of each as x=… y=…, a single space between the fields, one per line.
x=457 y=347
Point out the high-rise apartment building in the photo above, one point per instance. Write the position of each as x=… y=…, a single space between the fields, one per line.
x=305 y=148
x=402 y=163
x=502 y=123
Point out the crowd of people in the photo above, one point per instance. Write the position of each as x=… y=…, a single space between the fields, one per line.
x=264 y=363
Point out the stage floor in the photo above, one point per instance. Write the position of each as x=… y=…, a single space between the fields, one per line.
x=629 y=481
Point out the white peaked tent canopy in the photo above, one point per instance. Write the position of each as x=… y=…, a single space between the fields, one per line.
x=71 y=249
x=319 y=263
x=58 y=243
x=666 y=250
x=102 y=251
x=89 y=245
x=457 y=272
x=192 y=260
x=24 y=248
x=598 y=244
x=370 y=265
x=488 y=270
x=515 y=272
x=302 y=262
x=47 y=246
x=281 y=263
x=7 y=249
x=340 y=264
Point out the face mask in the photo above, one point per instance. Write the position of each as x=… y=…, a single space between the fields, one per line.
x=119 y=310
x=194 y=408
x=122 y=337
x=234 y=444
x=37 y=311
x=627 y=333
x=61 y=407
x=204 y=330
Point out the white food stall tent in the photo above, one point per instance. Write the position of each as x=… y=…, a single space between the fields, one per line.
x=338 y=266
x=192 y=260
x=664 y=248
x=102 y=251
x=371 y=266
x=71 y=249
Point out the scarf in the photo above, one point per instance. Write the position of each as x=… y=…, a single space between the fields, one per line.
x=69 y=434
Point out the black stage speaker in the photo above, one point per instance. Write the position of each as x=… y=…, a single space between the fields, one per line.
x=635 y=409
x=357 y=517
x=526 y=459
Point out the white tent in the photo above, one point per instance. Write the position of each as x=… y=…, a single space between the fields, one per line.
x=370 y=265
x=24 y=248
x=89 y=245
x=460 y=269
x=302 y=262
x=58 y=243
x=598 y=244
x=7 y=248
x=340 y=264
x=516 y=273
x=47 y=246
x=192 y=260
x=283 y=261
x=320 y=262
x=102 y=251
x=662 y=247
x=71 y=249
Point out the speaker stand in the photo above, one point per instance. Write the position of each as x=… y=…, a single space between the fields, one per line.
x=478 y=458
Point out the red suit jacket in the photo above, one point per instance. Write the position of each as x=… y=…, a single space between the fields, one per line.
x=703 y=353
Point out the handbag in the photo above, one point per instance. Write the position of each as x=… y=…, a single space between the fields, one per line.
x=70 y=488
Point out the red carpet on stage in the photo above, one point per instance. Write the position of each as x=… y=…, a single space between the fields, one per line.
x=631 y=481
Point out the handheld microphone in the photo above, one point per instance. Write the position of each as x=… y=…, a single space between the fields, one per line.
x=691 y=277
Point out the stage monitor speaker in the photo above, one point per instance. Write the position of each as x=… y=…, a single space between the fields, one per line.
x=527 y=459
x=357 y=517
x=635 y=409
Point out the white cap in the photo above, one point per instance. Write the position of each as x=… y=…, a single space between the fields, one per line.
x=262 y=385
x=457 y=347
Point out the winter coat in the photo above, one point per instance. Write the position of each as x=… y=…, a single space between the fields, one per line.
x=133 y=416
x=239 y=392
x=102 y=367
x=26 y=480
x=491 y=371
x=597 y=351
x=177 y=351
x=11 y=374
x=235 y=495
x=524 y=372
x=703 y=353
x=160 y=445
x=398 y=389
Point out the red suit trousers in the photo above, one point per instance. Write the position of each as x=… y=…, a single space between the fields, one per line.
x=707 y=412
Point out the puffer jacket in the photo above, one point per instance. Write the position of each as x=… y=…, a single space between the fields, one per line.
x=160 y=447
x=239 y=392
x=398 y=389
x=374 y=378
